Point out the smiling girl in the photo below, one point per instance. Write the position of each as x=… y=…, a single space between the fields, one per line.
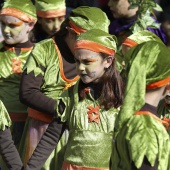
x=88 y=108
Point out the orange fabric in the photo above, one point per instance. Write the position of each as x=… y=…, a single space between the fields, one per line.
x=129 y=42
x=93 y=46
x=158 y=83
x=16 y=66
x=164 y=122
x=68 y=166
x=52 y=13
x=61 y=68
x=76 y=28
x=93 y=114
x=18 y=117
x=87 y=90
x=18 y=14
x=39 y=115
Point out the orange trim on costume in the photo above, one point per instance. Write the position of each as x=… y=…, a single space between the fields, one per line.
x=52 y=13
x=22 y=49
x=69 y=82
x=39 y=115
x=146 y=113
x=93 y=114
x=69 y=166
x=158 y=83
x=18 y=117
x=16 y=65
x=76 y=28
x=18 y=14
x=129 y=42
x=93 y=46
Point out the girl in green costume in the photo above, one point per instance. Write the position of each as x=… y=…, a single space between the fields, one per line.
x=7 y=148
x=89 y=108
x=17 y=20
x=141 y=140
x=49 y=71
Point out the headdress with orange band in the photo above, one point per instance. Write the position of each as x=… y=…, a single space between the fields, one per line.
x=50 y=8
x=98 y=41
x=140 y=37
x=147 y=68
x=84 y=18
x=24 y=10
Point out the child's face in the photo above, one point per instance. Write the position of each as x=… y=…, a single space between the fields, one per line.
x=90 y=65
x=51 y=25
x=14 y=30
x=120 y=9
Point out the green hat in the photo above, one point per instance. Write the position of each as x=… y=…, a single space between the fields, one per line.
x=22 y=9
x=50 y=8
x=98 y=41
x=85 y=18
x=140 y=37
x=147 y=68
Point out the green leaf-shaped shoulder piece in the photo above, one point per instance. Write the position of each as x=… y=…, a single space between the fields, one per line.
x=147 y=137
x=41 y=56
x=4 y=117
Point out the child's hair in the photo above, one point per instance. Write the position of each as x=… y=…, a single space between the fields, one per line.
x=112 y=91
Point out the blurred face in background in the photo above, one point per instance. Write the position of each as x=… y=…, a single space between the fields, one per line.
x=120 y=9
x=51 y=25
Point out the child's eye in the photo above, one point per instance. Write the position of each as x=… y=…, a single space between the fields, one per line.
x=61 y=18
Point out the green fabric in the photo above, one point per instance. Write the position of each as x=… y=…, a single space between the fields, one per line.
x=98 y=36
x=25 y=6
x=141 y=136
x=88 y=18
x=164 y=111
x=144 y=36
x=49 y=5
x=45 y=54
x=4 y=117
x=10 y=82
x=89 y=144
x=143 y=67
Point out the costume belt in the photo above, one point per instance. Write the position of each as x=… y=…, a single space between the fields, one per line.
x=39 y=115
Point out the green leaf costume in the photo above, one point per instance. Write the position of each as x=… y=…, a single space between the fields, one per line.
x=4 y=117
x=139 y=136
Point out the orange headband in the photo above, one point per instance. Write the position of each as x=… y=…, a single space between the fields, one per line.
x=18 y=14
x=51 y=14
x=76 y=28
x=93 y=46
x=158 y=83
x=129 y=42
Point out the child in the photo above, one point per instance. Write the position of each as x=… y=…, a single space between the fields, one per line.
x=140 y=139
x=89 y=108
x=49 y=71
x=7 y=148
x=50 y=16
x=17 y=20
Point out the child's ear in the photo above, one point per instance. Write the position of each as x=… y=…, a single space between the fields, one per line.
x=109 y=61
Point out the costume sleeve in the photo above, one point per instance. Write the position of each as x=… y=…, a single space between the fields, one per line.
x=31 y=95
x=46 y=145
x=8 y=150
